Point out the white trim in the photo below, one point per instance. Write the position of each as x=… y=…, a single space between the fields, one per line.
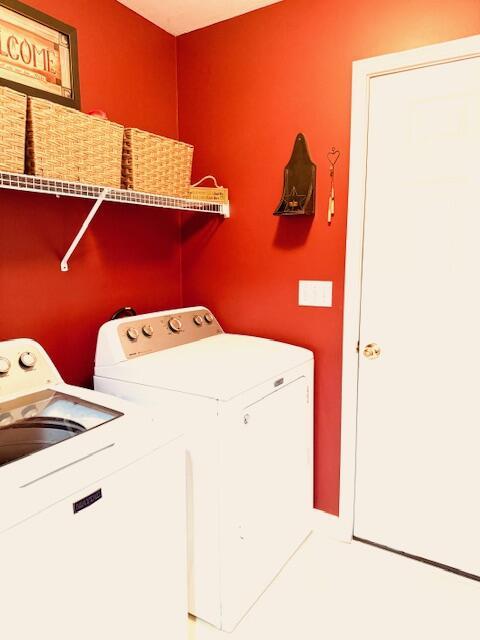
x=326 y=524
x=363 y=71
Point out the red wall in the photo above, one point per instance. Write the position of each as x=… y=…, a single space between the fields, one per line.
x=246 y=87
x=131 y=255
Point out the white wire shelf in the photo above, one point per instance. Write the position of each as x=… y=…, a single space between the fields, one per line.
x=52 y=186
x=37 y=184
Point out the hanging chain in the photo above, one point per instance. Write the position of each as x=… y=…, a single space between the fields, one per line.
x=332 y=156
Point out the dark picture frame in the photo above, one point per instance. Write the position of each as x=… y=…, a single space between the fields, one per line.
x=32 y=62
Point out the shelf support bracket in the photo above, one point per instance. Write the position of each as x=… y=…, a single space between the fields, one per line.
x=83 y=228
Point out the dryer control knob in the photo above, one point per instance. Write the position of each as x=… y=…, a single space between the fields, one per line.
x=208 y=318
x=5 y=365
x=147 y=330
x=132 y=334
x=175 y=324
x=27 y=360
x=198 y=320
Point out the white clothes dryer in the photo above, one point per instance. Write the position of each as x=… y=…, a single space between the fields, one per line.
x=246 y=407
x=92 y=517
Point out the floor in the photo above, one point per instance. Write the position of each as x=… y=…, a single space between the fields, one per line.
x=341 y=591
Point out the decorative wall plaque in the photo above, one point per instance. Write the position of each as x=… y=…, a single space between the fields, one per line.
x=38 y=54
x=298 y=196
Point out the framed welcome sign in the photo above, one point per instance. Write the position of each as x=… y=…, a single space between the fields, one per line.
x=38 y=54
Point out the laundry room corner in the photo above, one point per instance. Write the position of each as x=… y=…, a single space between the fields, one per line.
x=239 y=321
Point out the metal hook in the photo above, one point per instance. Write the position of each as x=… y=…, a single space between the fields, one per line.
x=333 y=155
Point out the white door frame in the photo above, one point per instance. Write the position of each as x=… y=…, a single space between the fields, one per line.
x=363 y=71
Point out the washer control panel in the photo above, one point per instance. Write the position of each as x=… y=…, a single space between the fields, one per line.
x=24 y=366
x=139 y=335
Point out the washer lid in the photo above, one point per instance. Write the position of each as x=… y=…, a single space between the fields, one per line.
x=220 y=367
x=34 y=422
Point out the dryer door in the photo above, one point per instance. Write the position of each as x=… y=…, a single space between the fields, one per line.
x=266 y=493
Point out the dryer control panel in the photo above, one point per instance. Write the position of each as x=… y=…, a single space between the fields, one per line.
x=140 y=335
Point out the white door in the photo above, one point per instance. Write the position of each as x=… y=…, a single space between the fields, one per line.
x=418 y=433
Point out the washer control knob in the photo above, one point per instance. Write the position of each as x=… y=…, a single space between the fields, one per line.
x=208 y=318
x=29 y=412
x=6 y=419
x=147 y=330
x=27 y=360
x=132 y=334
x=5 y=365
x=198 y=320
x=175 y=324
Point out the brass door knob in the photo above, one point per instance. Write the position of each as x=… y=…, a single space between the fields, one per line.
x=372 y=351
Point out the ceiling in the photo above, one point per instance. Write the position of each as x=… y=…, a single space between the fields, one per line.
x=182 y=16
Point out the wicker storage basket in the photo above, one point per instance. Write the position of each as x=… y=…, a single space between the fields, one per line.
x=69 y=145
x=210 y=194
x=13 y=113
x=155 y=164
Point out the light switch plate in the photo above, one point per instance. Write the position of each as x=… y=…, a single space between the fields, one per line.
x=315 y=293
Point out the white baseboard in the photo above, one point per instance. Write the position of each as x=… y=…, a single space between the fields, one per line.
x=330 y=526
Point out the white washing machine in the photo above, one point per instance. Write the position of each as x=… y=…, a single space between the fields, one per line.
x=92 y=517
x=246 y=407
